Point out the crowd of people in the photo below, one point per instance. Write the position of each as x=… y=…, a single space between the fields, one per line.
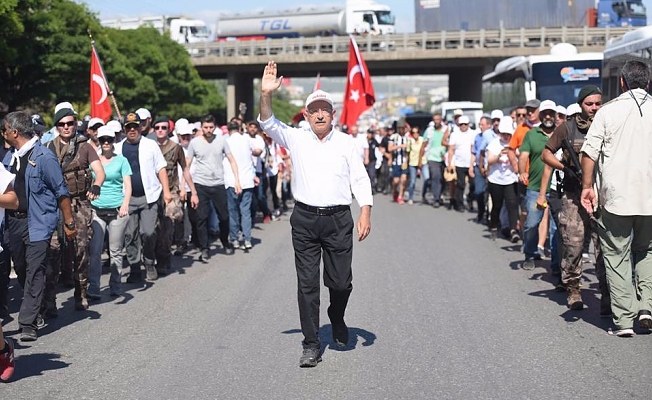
x=142 y=188
x=525 y=182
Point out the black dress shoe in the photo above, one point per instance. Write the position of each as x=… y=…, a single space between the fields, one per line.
x=309 y=358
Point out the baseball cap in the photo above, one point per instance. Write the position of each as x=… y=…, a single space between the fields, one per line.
x=131 y=119
x=506 y=125
x=185 y=129
x=561 y=109
x=534 y=103
x=573 y=109
x=463 y=120
x=114 y=125
x=94 y=122
x=497 y=114
x=143 y=113
x=105 y=130
x=458 y=111
x=178 y=123
x=38 y=124
x=547 y=105
x=319 y=95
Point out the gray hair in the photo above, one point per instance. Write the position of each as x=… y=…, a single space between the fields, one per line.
x=21 y=122
x=636 y=74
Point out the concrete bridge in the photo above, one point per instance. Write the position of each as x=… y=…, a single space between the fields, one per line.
x=463 y=55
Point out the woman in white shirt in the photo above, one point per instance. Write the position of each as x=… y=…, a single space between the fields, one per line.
x=502 y=180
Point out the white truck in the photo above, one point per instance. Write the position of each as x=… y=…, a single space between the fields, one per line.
x=181 y=30
x=356 y=17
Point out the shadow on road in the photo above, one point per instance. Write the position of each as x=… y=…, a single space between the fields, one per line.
x=35 y=364
x=355 y=335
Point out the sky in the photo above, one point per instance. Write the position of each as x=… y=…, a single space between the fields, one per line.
x=209 y=10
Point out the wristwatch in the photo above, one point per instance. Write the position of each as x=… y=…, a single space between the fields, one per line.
x=70 y=225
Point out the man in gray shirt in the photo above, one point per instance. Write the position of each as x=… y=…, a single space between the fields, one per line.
x=208 y=151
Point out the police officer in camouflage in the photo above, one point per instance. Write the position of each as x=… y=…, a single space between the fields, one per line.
x=77 y=158
x=173 y=211
x=575 y=224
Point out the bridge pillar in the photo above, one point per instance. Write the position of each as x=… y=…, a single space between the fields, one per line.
x=465 y=84
x=239 y=89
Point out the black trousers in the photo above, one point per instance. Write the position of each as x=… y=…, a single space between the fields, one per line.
x=5 y=272
x=30 y=262
x=217 y=196
x=313 y=236
x=508 y=195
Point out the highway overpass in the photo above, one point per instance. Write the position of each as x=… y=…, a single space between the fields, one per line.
x=463 y=55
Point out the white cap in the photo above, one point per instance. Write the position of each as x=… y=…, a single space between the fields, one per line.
x=184 y=129
x=95 y=121
x=497 y=114
x=463 y=120
x=458 y=111
x=431 y=124
x=506 y=125
x=547 y=105
x=105 y=130
x=196 y=126
x=63 y=105
x=319 y=95
x=114 y=126
x=143 y=114
x=179 y=123
x=561 y=109
x=573 y=109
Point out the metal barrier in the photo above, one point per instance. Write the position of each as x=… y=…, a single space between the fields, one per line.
x=459 y=40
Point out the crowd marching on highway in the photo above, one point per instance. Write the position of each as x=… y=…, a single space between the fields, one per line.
x=147 y=188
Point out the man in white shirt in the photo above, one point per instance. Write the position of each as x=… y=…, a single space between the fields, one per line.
x=148 y=181
x=459 y=159
x=321 y=220
x=240 y=204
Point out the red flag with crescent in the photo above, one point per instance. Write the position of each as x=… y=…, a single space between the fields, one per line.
x=100 y=104
x=359 y=94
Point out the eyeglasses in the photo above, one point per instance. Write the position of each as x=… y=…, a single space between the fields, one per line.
x=464 y=124
x=161 y=128
x=314 y=111
x=521 y=115
x=69 y=123
x=105 y=140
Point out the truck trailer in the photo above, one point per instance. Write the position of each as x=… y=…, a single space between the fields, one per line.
x=181 y=30
x=356 y=17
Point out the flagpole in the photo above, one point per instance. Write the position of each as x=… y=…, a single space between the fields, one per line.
x=106 y=82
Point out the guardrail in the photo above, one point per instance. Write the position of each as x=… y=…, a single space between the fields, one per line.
x=458 y=40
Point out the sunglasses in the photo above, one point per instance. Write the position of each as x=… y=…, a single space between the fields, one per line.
x=521 y=115
x=105 y=139
x=464 y=124
x=65 y=124
x=161 y=128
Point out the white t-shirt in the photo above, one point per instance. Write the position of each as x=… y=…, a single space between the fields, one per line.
x=500 y=173
x=258 y=142
x=360 y=142
x=6 y=178
x=240 y=146
x=463 y=142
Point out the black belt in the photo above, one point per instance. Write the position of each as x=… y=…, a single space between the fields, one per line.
x=16 y=214
x=322 y=210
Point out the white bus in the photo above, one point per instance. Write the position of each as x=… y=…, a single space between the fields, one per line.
x=558 y=76
x=634 y=45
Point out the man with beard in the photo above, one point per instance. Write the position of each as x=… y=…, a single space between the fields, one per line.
x=574 y=222
x=530 y=151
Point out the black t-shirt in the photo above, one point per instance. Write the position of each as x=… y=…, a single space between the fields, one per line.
x=373 y=144
x=384 y=143
x=19 y=182
x=130 y=152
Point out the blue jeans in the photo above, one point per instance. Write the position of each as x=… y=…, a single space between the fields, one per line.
x=531 y=232
x=412 y=182
x=239 y=213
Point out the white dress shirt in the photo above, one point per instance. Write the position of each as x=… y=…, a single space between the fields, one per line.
x=151 y=161
x=324 y=173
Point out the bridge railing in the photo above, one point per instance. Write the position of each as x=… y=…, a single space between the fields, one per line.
x=444 y=40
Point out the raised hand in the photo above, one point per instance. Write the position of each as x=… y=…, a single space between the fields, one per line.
x=270 y=82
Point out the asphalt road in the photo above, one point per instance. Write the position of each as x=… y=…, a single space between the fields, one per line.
x=438 y=311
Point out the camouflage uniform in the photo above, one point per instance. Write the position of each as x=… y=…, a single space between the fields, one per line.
x=575 y=227
x=174 y=156
x=71 y=254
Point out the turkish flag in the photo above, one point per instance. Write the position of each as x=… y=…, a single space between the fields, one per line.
x=100 y=105
x=359 y=94
x=317 y=84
